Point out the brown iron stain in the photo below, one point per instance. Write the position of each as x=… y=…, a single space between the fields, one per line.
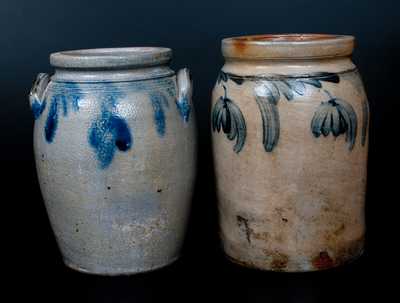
x=323 y=261
x=279 y=210
x=245 y=226
x=279 y=238
x=279 y=261
x=266 y=236
x=333 y=237
x=243 y=222
x=326 y=208
x=240 y=46
x=284 y=37
x=339 y=230
x=340 y=255
x=261 y=236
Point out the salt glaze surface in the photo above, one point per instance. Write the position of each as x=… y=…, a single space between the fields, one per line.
x=115 y=145
x=290 y=143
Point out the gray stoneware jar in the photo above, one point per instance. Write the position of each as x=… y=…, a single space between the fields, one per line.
x=114 y=142
x=290 y=140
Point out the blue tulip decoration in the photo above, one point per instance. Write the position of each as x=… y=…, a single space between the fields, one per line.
x=227 y=116
x=335 y=116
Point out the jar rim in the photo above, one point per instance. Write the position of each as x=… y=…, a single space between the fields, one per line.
x=287 y=46
x=111 y=58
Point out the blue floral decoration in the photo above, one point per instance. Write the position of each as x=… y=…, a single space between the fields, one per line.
x=109 y=131
x=159 y=101
x=334 y=116
x=67 y=95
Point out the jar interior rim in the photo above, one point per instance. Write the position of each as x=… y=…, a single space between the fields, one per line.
x=288 y=38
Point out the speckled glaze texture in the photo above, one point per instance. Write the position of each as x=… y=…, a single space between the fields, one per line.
x=290 y=142
x=114 y=141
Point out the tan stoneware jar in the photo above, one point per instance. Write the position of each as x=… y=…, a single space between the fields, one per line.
x=290 y=142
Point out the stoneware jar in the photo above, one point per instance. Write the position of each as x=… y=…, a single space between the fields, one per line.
x=114 y=141
x=290 y=124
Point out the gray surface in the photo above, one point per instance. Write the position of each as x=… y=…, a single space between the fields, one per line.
x=123 y=57
x=129 y=216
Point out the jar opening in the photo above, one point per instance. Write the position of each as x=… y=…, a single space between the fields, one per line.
x=111 y=58
x=287 y=46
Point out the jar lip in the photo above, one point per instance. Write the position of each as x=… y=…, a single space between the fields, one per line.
x=111 y=58
x=287 y=46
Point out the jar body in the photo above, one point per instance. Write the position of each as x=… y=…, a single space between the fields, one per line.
x=116 y=164
x=290 y=153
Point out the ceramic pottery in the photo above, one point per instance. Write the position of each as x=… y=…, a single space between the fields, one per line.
x=290 y=136
x=114 y=142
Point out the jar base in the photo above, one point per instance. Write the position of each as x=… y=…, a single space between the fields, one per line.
x=299 y=270
x=118 y=272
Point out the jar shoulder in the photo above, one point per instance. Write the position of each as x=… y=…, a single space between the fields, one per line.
x=289 y=67
x=164 y=88
x=290 y=79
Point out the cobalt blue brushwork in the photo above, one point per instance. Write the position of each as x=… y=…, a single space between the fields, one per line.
x=66 y=95
x=115 y=161
x=334 y=116
x=228 y=117
x=183 y=107
x=52 y=120
x=185 y=85
x=365 y=118
x=108 y=133
x=38 y=108
x=37 y=96
x=159 y=101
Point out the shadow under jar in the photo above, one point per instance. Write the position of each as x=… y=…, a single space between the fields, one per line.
x=290 y=142
x=114 y=142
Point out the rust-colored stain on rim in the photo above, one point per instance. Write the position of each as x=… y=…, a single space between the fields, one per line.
x=287 y=37
x=287 y=46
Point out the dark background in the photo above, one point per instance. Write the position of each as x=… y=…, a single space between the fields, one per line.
x=31 y=30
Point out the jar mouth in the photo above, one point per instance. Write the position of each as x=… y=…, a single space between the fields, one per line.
x=287 y=46
x=111 y=58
